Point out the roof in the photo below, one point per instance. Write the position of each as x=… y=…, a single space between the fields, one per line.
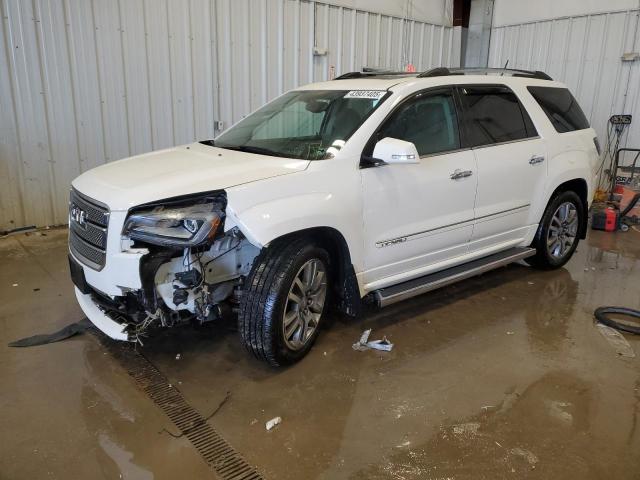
x=384 y=80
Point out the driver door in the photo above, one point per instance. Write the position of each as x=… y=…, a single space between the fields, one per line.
x=418 y=215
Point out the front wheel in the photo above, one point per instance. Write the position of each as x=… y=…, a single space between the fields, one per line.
x=558 y=233
x=283 y=302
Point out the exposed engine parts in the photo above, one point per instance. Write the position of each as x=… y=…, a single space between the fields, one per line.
x=179 y=285
x=189 y=279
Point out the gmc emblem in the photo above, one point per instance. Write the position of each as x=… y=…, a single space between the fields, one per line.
x=77 y=215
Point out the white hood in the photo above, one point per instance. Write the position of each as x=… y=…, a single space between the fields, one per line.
x=178 y=171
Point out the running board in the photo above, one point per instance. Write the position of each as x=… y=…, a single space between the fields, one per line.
x=396 y=293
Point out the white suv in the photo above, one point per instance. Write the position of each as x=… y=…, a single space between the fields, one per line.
x=374 y=185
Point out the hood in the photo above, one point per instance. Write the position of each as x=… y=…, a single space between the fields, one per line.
x=178 y=171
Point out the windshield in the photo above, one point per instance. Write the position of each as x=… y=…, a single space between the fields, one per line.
x=311 y=125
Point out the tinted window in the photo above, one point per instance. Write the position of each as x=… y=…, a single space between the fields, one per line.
x=494 y=115
x=561 y=108
x=428 y=120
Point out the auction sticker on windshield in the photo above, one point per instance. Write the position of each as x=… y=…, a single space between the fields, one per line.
x=368 y=94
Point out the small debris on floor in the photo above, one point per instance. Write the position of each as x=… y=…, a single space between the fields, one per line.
x=466 y=429
x=364 y=344
x=178 y=356
x=361 y=345
x=510 y=333
x=36 y=289
x=617 y=341
x=558 y=411
x=404 y=444
x=273 y=422
x=526 y=454
x=15 y=285
x=531 y=283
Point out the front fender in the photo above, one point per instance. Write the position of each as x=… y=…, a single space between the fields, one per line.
x=265 y=211
x=267 y=221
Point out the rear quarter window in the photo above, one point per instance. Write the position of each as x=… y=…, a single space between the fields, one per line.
x=561 y=108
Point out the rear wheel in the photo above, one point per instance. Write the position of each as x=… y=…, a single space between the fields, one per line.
x=558 y=233
x=284 y=301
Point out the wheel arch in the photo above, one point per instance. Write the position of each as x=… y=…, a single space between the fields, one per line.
x=333 y=241
x=581 y=188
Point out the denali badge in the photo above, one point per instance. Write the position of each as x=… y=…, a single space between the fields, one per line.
x=388 y=243
x=77 y=215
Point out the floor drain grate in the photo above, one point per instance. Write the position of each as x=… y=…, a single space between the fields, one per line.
x=227 y=463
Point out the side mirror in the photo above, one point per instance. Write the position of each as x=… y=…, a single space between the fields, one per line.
x=391 y=150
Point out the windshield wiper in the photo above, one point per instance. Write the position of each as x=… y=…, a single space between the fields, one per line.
x=250 y=149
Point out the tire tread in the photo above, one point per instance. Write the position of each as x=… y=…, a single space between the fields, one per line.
x=258 y=303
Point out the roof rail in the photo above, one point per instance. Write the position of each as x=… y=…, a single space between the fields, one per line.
x=436 y=72
x=442 y=71
x=372 y=72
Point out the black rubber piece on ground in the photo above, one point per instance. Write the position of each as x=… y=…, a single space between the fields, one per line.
x=602 y=316
x=264 y=296
x=62 y=334
x=542 y=259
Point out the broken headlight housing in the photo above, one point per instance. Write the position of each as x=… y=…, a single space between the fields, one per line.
x=175 y=226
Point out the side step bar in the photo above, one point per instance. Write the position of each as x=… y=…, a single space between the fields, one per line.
x=418 y=286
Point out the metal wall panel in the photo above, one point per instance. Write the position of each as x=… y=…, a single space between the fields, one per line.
x=84 y=82
x=585 y=53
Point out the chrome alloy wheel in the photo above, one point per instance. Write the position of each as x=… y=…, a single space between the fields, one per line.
x=562 y=230
x=305 y=303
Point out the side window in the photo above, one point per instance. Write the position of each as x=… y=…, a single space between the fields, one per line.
x=428 y=120
x=560 y=107
x=493 y=114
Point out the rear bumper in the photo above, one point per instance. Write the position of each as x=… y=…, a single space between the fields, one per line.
x=105 y=324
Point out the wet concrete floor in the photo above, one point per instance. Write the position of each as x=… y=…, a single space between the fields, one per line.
x=502 y=376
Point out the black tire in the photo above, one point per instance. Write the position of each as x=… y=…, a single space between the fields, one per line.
x=261 y=315
x=602 y=316
x=543 y=259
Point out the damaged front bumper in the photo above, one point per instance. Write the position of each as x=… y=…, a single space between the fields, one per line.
x=108 y=326
x=130 y=274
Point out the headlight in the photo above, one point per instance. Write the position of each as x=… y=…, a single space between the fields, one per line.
x=187 y=226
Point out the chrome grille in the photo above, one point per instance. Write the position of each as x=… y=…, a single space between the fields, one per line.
x=96 y=236
x=88 y=222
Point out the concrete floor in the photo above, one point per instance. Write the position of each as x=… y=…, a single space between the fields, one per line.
x=502 y=376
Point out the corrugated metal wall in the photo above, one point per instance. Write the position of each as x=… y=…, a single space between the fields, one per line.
x=584 y=52
x=84 y=82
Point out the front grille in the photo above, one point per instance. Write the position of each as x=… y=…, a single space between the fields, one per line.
x=88 y=223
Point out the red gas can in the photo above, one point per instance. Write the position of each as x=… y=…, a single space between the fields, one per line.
x=611 y=219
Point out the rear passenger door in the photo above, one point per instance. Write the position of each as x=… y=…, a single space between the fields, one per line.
x=511 y=164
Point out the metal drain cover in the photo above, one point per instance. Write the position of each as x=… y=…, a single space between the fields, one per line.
x=216 y=452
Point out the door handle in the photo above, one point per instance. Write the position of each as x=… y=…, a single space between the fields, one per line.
x=460 y=174
x=536 y=159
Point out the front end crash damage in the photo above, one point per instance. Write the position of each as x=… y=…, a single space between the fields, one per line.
x=190 y=268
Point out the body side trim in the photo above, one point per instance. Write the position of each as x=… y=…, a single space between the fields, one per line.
x=404 y=238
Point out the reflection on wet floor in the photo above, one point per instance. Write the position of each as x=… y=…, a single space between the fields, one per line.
x=500 y=376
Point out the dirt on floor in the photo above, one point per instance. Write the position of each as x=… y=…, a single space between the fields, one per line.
x=501 y=376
